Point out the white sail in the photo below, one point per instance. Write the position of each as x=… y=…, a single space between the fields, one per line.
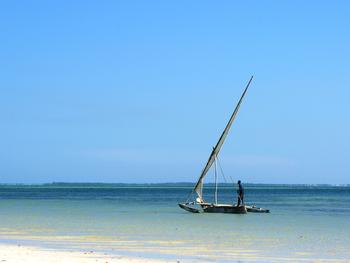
x=199 y=185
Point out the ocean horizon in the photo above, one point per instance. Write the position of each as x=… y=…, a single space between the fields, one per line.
x=166 y=184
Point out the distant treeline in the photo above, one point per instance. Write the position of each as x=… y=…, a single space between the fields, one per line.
x=165 y=185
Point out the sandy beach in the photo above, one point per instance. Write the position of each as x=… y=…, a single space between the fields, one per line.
x=33 y=254
x=29 y=254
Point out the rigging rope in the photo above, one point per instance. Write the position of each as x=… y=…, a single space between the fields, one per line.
x=222 y=172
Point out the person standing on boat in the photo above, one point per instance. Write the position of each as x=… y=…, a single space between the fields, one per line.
x=240 y=193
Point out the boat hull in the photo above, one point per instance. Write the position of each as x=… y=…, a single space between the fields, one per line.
x=189 y=208
x=223 y=208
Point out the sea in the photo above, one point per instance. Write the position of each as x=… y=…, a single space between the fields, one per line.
x=305 y=223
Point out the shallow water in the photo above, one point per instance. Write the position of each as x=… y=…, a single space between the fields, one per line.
x=305 y=223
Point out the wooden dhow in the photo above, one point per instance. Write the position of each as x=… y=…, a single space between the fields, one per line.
x=195 y=202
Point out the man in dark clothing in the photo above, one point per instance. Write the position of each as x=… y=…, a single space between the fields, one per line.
x=240 y=193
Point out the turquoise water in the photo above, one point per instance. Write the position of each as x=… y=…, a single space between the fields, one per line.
x=305 y=223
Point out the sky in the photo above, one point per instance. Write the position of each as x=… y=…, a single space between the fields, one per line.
x=140 y=91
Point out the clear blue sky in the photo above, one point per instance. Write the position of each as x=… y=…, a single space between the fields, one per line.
x=139 y=91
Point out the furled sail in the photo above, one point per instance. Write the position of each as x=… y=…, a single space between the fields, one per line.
x=199 y=185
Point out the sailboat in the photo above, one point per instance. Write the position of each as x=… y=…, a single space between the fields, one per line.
x=197 y=191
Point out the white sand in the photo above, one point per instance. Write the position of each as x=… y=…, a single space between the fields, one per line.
x=31 y=254
x=27 y=254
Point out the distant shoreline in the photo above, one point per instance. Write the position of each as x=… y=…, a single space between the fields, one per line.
x=160 y=185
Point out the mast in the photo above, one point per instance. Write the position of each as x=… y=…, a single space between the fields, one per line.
x=216 y=182
x=199 y=185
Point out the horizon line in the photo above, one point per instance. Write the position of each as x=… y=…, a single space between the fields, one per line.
x=168 y=183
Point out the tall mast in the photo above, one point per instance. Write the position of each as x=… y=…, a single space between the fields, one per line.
x=198 y=187
x=216 y=182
